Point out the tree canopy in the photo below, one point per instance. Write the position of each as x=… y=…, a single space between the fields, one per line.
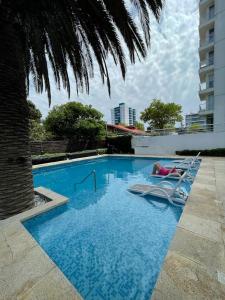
x=74 y=119
x=34 y=112
x=74 y=32
x=139 y=126
x=160 y=115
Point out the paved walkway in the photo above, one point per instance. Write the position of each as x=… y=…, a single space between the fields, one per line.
x=195 y=264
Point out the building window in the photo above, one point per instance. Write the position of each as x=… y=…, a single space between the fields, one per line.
x=211 y=11
x=210 y=102
x=211 y=35
x=211 y=58
x=210 y=81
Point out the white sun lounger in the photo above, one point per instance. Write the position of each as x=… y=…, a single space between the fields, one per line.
x=164 y=189
x=187 y=176
x=187 y=160
x=184 y=165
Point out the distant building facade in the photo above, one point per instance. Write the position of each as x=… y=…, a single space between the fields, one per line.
x=195 y=119
x=123 y=114
x=212 y=61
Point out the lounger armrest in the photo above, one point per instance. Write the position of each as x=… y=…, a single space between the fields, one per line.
x=164 y=182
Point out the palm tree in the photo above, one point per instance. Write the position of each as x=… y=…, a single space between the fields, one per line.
x=43 y=34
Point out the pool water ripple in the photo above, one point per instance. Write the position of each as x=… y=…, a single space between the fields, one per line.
x=110 y=244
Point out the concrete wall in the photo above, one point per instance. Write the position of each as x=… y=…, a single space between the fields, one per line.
x=160 y=145
x=38 y=148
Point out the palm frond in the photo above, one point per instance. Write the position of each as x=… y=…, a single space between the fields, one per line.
x=77 y=32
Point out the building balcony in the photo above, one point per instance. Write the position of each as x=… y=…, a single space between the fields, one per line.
x=206 y=45
x=205 y=3
x=206 y=112
x=204 y=92
x=206 y=66
x=206 y=23
x=206 y=108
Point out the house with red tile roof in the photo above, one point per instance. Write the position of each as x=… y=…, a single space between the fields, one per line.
x=121 y=129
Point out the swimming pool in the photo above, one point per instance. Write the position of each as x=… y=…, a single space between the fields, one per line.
x=110 y=243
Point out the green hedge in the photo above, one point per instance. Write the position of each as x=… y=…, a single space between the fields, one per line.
x=119 y=144
x=211 y=152
x=47 y=158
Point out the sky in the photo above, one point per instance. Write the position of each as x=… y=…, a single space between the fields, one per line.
x=169 y=73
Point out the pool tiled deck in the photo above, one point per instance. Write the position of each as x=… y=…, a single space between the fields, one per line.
x=194 y=267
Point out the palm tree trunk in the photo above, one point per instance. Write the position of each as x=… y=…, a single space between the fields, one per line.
x=16 y=184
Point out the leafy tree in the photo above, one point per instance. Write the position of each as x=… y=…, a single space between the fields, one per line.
x=73 y=118
x=70 y=32
x=38 y=132
x=90 y=128
x=90 y=131
x=81 y=124
x=160 y=115
x=34 y=112
x=139 y=126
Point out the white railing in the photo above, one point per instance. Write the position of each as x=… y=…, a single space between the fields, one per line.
x=206 y=63
x=194 y=128
x=206 y=85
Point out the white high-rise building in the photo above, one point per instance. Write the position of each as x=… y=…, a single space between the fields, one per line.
x=123 y=115
x=212 y=61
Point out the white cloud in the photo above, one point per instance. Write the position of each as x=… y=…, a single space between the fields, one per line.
x=170 y=72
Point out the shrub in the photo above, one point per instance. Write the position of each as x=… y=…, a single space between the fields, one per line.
x=38 y=133
x=119 y=144
x=102 y=151
x=211 y=152
x=47 y=158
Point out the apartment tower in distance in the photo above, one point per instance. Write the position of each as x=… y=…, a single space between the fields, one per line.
x=212 y=61
x=123 y=115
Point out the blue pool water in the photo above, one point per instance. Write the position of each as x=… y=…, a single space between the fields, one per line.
x=110 y=244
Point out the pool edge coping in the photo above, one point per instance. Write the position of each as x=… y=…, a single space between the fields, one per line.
x=15 y=223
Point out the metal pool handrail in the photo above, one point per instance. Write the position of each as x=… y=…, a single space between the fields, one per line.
x=93 y=172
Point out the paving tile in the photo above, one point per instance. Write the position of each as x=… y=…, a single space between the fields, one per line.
x=57 y=288
x=183 y=279
x=20 y=243
x=209 y=212
x=199 y=198
x=202 y=191
x=23 y=273
x=204 y=187
x=2 y=237
x=206 y=180
x=12 y=228
x=203 y=227
x=201 y=250
x=5 y=255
